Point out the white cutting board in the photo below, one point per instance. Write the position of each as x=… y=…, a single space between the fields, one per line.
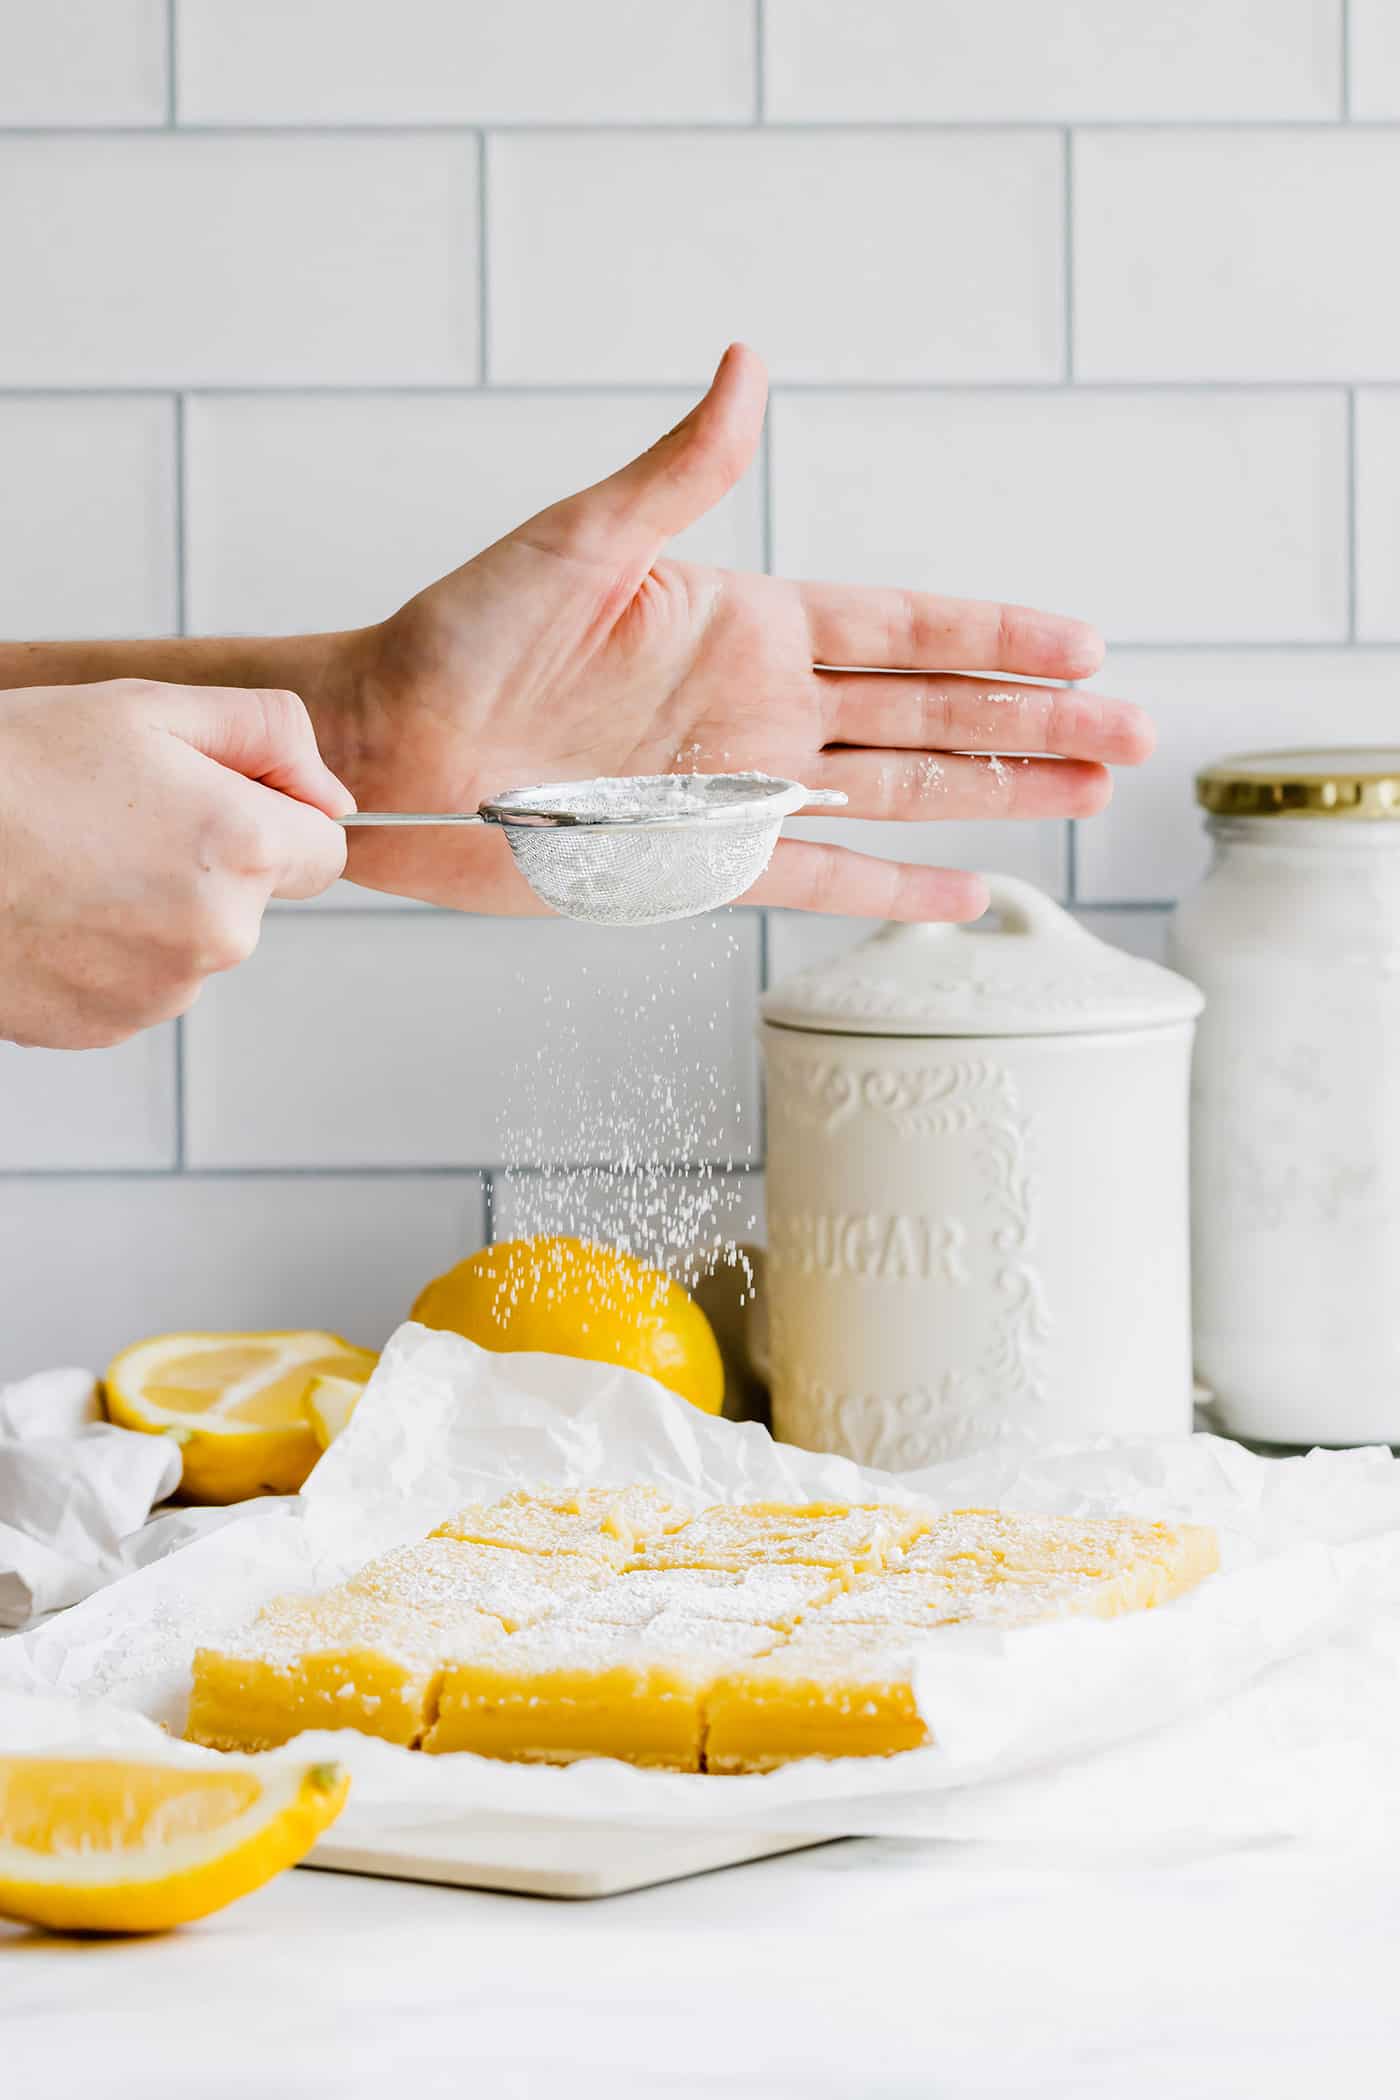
x=545 y=1856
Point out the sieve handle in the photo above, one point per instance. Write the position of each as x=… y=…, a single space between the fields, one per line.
x=415 y=816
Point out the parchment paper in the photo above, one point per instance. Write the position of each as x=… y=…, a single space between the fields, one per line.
x=1266 y=1703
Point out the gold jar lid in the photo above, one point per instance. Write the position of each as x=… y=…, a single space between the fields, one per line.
x=1362 y=784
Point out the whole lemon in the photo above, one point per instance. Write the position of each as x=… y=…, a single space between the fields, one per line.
x=572 y=1297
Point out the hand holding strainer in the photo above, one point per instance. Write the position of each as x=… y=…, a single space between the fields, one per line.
x=636 y=851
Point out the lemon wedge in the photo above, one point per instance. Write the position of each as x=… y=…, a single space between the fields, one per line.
x=330 y=1402
x=236 y=1403
x=103 y=1845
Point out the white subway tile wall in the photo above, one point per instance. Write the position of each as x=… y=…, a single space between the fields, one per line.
x=88 y=510
x=92 y=1262
x=379 y=493
x=305 y=300
x=161 y=259
x=994 y=61
x=460 y=62
x=1375 y=58
x=628 y=257
x=429 y=1040
x=83 y=61
x=1206 y=255
x=1165 y=517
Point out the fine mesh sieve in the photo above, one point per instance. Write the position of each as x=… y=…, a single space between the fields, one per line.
x=636 y=851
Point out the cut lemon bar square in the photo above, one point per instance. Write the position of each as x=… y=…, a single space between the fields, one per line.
x=851 y=1692
x=335 y=1661
x=446 y=1576
x=630 y=1513
x=605 y=1523
x=563 y=1691
x=762 y=1596
x=1110 y=1564
x=844 y=1539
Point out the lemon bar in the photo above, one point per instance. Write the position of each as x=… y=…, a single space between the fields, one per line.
x=1113 y=1564
x=335 y=1661
x=604 y=1523
x=630 y=1513
x=763 y=1596
x=567 y=1690
x=445 y=1576
x=844 y=1539
x=848 y=1693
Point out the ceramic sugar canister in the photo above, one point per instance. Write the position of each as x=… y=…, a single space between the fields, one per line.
x=977 y=1189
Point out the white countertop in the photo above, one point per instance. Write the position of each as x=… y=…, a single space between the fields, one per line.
x=851 y=1972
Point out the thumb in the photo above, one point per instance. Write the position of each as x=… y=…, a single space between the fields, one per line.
x=264 y=735
x=683 y=474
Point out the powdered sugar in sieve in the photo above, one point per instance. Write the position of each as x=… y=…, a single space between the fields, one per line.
x=639 y=850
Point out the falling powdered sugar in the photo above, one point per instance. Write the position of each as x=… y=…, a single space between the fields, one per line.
x=625 y=1127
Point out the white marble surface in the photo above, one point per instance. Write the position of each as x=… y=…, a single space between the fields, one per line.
x=854 y=1972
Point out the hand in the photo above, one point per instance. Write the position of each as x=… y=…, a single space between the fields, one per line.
x=142 y=830
x=572 y=648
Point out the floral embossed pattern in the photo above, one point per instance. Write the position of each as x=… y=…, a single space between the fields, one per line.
x=973 y=1101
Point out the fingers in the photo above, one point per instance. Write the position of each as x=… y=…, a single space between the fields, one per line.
x=807 y=877
x=307 y=850
x=926 y=785
x=975 y=714
x=684 y=474
x=896 y=630
x=264 y=735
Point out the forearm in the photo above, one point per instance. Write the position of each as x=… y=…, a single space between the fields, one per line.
x=316 y=666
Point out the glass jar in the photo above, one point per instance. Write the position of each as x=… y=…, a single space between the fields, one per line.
x=1294 y=937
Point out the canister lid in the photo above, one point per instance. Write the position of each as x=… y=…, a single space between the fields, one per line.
x=1026 y=968
x=1362 y=784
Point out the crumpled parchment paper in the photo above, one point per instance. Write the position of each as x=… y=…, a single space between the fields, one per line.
x=1266 y=1703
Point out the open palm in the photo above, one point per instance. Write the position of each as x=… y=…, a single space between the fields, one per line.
x=574 y=648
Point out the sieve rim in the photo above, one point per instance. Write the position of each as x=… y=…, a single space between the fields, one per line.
x=755 y=800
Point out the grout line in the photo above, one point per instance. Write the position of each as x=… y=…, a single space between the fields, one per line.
x=488 y=1207
x=677 y=1169
x=483 y=297
x=1071 y=860
x=765 y=446
x=1150 y=905
x=764 y=979
x=928 y=127
x=602 y=389
x=172 y=55
x=181 y=557
x=1346 y=61
x=178 y=1103
x=1069 y=254
x=1351 y=514
x=760 y=67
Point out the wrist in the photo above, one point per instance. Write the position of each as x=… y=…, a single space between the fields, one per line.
x=333 y=673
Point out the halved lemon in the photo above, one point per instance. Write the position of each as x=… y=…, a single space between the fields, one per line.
x=105 y=1845
x=236 y=1403
x=329 y=1403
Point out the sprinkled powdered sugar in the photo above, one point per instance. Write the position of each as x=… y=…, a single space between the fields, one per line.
x=291 y=1629
x=574 y=1645
x=771 y=1597
x=444 y=1576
